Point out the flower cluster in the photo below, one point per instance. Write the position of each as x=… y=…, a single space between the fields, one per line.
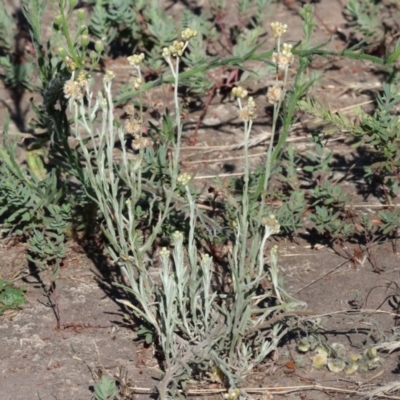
x=82 y=78
x=164 y=252
x=184 y=179
x=177 y=235
x=109 y=76
x=232 y=394
x=133 y=125
x=135 y=59
x=239 y=92
x=137 y=82
x=70 y=63
x=284 y=58
x=174 y=50
x=74 y=89
x=188 y=34
x=272 y=224
x=274 y=94
x=140 y=142
x=249 y=111
x=278 y=29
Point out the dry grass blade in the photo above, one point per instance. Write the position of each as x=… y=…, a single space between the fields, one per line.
x=388 y=346
x=282 y=390
x=383 y=391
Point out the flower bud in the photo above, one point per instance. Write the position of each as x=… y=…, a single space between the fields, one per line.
x=58 y=20
x=73 y=3
x=99 y=46
x=84 y=40
x=61 y=52
x=81 y=14
x=93 y=55
x=84 y=30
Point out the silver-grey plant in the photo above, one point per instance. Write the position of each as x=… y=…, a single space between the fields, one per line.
x=198 y=325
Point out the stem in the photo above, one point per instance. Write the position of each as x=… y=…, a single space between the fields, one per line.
x=269 y=160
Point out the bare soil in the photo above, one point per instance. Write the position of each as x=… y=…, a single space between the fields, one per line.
x=49 y=352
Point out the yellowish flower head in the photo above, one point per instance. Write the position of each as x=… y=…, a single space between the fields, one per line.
x=320 y=360
x=177 y=235
x=239 y=92
x=164 y=252
x=184 y=179
x=187 y=34
x=278 y=29
x=109 y=76
x=135 y=59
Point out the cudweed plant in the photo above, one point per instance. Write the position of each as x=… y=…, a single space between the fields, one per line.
x=198 y=325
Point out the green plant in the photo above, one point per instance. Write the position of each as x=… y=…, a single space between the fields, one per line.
x=10 y=297
x=204 y=313
x=16 y=72
x=105 y=389
x=36 y=204
x=196 y=326
x=381 y=131
x=365 y=17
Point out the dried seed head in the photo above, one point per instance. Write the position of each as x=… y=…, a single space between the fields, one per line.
x=140 y=143
x=73 y=90
x=244 y=114
x=130 y=109
x=133 y=125
x=272 y=224
x=278 y=29
x=283 y=59
x=249 y=111
x=274 y=95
